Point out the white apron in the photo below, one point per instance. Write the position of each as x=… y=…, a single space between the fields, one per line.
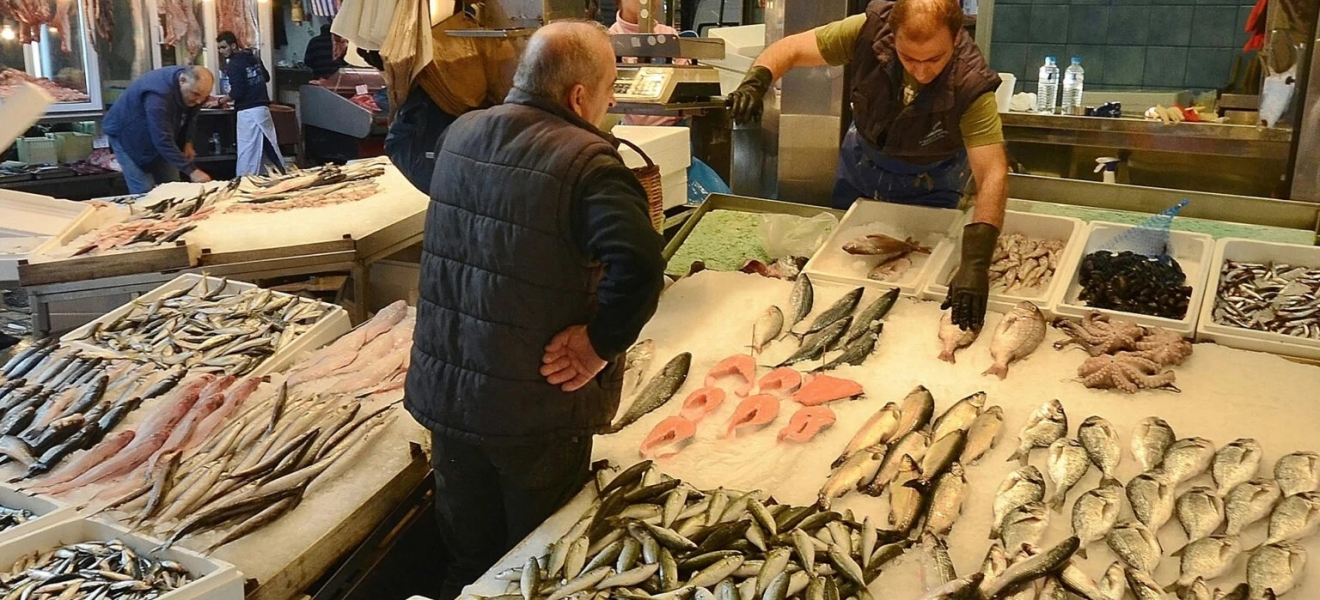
x=255 y=128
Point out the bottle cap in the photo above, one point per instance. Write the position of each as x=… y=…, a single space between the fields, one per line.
x=1049 y=60
x=1076 y=60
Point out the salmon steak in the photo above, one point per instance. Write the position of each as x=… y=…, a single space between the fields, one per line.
x=668 y=438
x=742 y=365
x=823 y=389
x=701 y=403
x=806 y=423
x=753 y=412
x=783 y=379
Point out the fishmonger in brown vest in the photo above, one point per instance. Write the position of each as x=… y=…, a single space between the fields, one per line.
x=925 y=120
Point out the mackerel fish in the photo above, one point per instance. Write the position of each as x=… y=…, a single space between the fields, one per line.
x=657 y=392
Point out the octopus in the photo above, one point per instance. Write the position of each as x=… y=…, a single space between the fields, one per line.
x=1098 y=334
x=1163 y=346
x=1126 y=372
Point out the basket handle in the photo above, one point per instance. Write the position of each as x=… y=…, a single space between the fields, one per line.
x=638 y=150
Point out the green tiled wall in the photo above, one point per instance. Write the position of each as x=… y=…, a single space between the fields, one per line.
x=1123 y=44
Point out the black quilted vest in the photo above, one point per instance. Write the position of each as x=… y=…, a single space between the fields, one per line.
x=501 y=275
x=926 y=131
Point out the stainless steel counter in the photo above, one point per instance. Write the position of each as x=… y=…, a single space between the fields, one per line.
x=1138 y=134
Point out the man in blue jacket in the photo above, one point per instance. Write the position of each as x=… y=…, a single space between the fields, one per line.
x=247 y=91
x=151 y=126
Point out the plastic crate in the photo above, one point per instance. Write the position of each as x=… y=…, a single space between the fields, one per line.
x=38 y=151
x=332 y=325
x=1193 y=252
x=1034 y=226
x=1244 y=250
x=937 y=228
x=216 y=580
x=71 y=146
x=46 y=511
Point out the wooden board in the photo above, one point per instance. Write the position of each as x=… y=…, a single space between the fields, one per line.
x=82 y=268
x=208 y=258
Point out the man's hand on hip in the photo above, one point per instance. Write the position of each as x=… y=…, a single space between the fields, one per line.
x=970 y=288
x=570 y=361
x=747 y=102
x=199 y=176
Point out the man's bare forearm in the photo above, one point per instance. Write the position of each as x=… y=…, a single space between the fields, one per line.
x=797 y=50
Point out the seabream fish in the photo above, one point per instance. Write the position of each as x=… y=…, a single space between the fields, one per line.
x=1150 y=440
x=1046 y=425
x=1152 y=499
x=953 y=337
x=1017 y=336
x=1200 y=512
x=1095 y=514
x=1067 y=464
x=1298 y=472
x=1235 y=463
x=1100 y=440
x=1248 y=503
x=1021 y=487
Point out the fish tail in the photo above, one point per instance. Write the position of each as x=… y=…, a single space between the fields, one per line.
x=1000 y=371
x=947 y=356
x=1057 y=502
x=1108 y=480
x=1020 y=455
x=1081 y=552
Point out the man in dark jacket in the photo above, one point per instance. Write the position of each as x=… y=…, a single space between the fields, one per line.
x=539 y=269
x=923 y=108
x=247 y=91
x=320 y=54
x=152 y=123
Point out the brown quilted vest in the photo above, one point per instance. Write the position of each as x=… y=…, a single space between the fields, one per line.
x=927 y=130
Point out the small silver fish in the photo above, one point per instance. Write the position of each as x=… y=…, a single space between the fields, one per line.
x=1236 y=463
x=1187 y=458
x=1200 y=512
x=1067 y=464
x=1298 y=472
x=1206 y=558
x=1047 y=424
x=1095 y=513
x=1101 y=443
x=1152 y=499
x=1248 y=503
x=1150 y=440
x=1021 y=487
x=1136 y=545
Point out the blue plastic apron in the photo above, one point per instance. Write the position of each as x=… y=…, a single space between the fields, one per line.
x=865 y=172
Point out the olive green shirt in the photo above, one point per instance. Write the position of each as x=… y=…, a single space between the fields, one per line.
x=980 y=125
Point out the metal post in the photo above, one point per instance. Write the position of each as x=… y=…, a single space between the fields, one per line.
x=810 y=112
x=1306 y=145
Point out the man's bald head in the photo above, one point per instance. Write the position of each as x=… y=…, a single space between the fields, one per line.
x=195 y=83
x=921 y=20
x=572 y=64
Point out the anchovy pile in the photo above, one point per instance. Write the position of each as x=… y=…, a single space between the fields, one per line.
x=322 y=186
x=1022 y=263
x=162 y=222
x=13 y=517
x=1279 y=298
x=55 y=401
x=205 y=329
x=1134 y=283
x=94 y=570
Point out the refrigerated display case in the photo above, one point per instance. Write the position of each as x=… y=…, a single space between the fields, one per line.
x=58 y=57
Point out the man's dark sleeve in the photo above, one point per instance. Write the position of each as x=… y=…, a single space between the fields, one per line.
x=161 y=127
x=236 y=70
x=612 y=225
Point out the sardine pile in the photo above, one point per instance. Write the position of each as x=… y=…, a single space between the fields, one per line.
x=206 y=329
x=1134 y=283
x=13 y=517
x=1280 y=298
x=162 y=222
x=55 y=400
x=93 y=570
x=1022 y=263
x=1167 y=491
x=322 y=186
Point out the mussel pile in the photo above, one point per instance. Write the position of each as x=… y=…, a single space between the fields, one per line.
x=1134 y=283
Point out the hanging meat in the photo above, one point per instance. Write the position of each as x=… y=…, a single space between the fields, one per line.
x=238 y=16
x=31 y=15
x=181 y=27
x=61 y=24
x=101 y=13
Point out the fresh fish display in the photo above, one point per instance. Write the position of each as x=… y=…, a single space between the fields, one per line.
x=856 y=471
x=1143 y=586
x=1067 y=464
x=1206 y=558
x=1200 y=512
x=906 y=502
x=635 y=363
x=1095 y=514
x=1101 y=443
x=913 y=445
x=953 y=338
x=814 y=345
x=877 y=430
x=93 y=569
x=1021 y=263
x=872 y=315
x=856 y=352
x=806 y=423
x=785 y=380
x=208 y=327
x=915 y=411
x=960 y=416
x=1248 y=503
x=1274 y=569
x=13 y=517
x=1274 y=297
x=1021 y=487
x=1017 y=336
x=701 y=402
x=1298 y=472
x=741 y=365
x=1295 y=518
x=1134 y=283
x=1235 y=464
x=1136 y=545
x=1041 y=565
x=883 y=247
x=983 y=435
x=936 y=566
x=946 y=500
x=1152 y=499
x=657 y=392
x=1025 y=524
x=823 y=389
x=800 y=301
x=1187 y=458
x=308 y=188
x=668 y=437
x=1150 y=441
x=942 y=453
x=1046 y=425
x=767 y=328
x=843 y=307
x=755 y=411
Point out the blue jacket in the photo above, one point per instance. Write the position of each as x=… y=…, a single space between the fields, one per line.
x=247 y=80
x=150 y=120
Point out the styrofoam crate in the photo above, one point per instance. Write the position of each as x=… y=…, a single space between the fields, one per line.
x=95 y=215
x=1244 y=250
x=1193 y=252
x=332 y=325
x=216 y=580
x=1034 y=226
x=933 y=227
x=46 y=511
x=669 y=147
x=675 y=187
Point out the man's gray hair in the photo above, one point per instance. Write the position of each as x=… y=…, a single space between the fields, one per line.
x=192 y=75
x=560 y=56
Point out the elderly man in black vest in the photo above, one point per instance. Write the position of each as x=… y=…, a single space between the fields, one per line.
x=539 y=269
x=924 y=110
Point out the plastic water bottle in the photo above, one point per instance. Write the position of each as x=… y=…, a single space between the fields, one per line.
x=1072 y=87
x=1047 y=87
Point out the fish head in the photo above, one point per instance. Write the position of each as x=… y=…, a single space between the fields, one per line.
x=995 y=411
x=977 y=400
x=1054 y=410
x=1030 y=474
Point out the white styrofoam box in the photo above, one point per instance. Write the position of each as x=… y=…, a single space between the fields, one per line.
x=741 y=47
x=1034 y=226
x=932 y=227
x=675 y=186
x=1244 y=250
x=27 y=221
x=332 y=325
x=1192 y=251
x=668 y=147
x=393 y=280
x=46 y=511
x=215 y=580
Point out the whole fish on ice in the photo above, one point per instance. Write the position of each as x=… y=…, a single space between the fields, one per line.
x=952 y=337
x=657 y=392
x=1017 y=335
x=885 y=247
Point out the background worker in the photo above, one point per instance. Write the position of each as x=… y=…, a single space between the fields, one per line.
x=247 y=91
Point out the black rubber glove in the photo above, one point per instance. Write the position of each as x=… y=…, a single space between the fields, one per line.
x=747 y=102
x=970 y=288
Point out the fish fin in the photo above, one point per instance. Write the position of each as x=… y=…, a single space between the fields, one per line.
x=997 y=370
x=1021 y=456
x=1057 y=502
x=1081 y=551
x=1179 y=552
x=947 y=356
x=1108 y=480
x=919 y=485
x=838 y=462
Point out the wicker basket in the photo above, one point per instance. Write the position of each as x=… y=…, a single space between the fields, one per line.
x=650 y=178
